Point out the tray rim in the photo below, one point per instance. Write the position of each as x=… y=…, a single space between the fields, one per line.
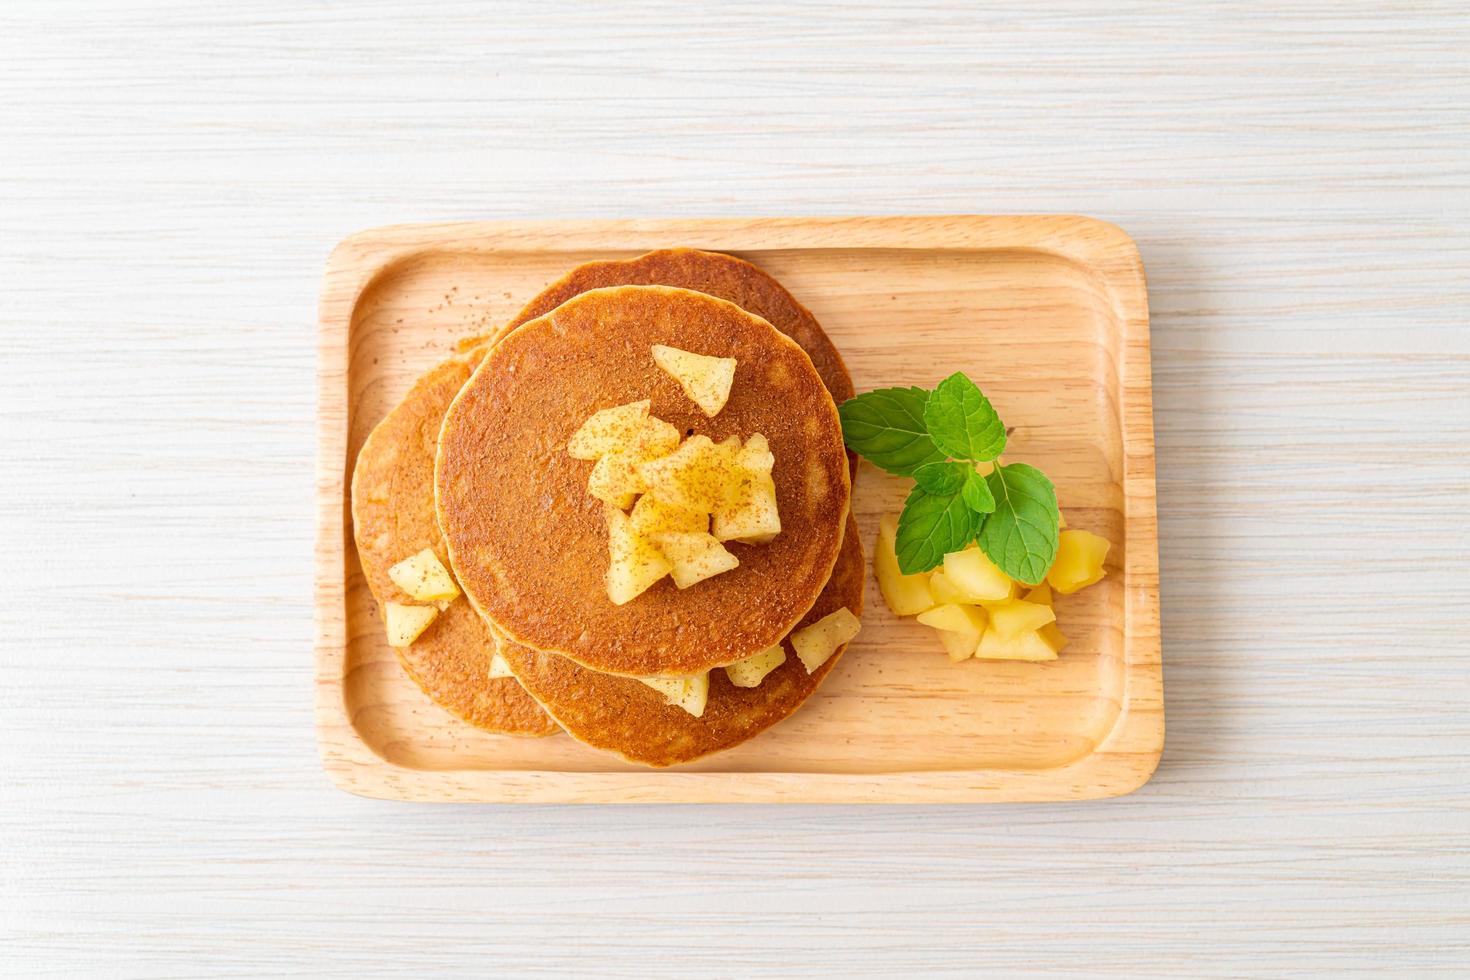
x=1120 y=763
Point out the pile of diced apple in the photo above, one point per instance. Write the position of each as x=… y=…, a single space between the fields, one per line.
x=976 y=609
x=422 y=577
x=688 y=497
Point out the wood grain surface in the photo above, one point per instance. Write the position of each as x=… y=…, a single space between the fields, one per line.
x=172 y=177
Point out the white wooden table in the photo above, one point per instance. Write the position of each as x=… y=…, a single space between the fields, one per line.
x=171 y=179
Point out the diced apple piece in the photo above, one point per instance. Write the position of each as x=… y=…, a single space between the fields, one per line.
x=955 y=618
x=405 y=623
x=1022 y=646
x=1079 y=562
x=608 y=430
x=814 y=644
x=689 y=693
x=941 y=588
x=423 y=576
x=654 y=516
x=698 y=475
x=906 y=595
x=959 y=628
x=1053 y=637
x=959 y=646
x=1041 y=594
x=753 y=516
x=635 y=563
x=498 y=667
x=705 y=379
x=617 y=479
x=752 y=670
x=695 y=556
x=696 y=695
x=976 y=578
x=756 y=454
x=1012 y=616
x=672 y=688
x=1061 y=521
x=656 y=438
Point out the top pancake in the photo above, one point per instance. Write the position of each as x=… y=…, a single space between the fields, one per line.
x=529 y=545
x=393 y=518
x=715 y=274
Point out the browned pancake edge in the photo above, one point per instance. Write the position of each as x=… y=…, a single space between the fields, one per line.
x=392 y=518
x=724 y=276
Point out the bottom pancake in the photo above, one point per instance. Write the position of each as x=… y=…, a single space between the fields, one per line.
x=393 y=518
x=625 y=716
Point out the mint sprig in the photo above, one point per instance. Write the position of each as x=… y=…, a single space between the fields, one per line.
x=961 y=421
x=976 y=492
x=928 y=523
x=938 y=438
x=887 y=428
x=945 y=478
x=1021 y=535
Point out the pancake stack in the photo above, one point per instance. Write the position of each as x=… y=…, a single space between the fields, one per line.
x=481 y=482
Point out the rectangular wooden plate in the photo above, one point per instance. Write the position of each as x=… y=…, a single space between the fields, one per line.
x=1048 y=314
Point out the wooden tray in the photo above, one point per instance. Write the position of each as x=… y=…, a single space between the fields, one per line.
x=1048 y=314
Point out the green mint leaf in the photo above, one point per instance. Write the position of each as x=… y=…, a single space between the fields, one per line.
x=886 y=427
x=1021 y=535
x=930 y=527
x=976 y=493
x=941 y=479
x=962 y=423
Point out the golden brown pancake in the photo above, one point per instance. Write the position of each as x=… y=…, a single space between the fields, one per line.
x=625 y=716
x=720 y=275
x=393 y=518
x=530 y=546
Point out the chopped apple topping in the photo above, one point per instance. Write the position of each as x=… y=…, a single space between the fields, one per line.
x=689 y=693
x=653 y=516
x=636 y=562
x=608 y=430
x=405 y=623
x=699 y=475
x=750 y=514
x=423 y=576
x=617 y=478
x=705 y=379
x=816 y=643
x=686 y=498
x=753 y=669
x=695 y=556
